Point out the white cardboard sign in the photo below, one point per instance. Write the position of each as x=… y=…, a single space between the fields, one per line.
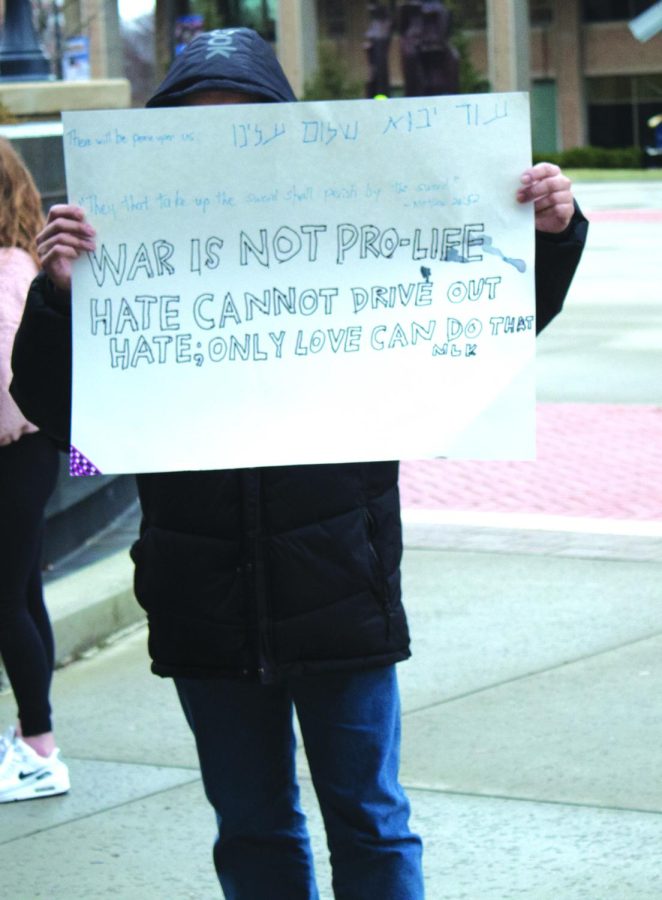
x=302 y=283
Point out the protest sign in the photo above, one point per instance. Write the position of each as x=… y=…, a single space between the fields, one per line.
x=302 y=283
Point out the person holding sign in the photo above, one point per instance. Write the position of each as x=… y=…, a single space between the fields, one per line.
x=277 y=588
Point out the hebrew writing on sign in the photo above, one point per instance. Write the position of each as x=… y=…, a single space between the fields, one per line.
x=302 y=283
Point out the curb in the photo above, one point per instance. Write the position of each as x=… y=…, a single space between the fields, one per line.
x=90 y=605
x=536 y=534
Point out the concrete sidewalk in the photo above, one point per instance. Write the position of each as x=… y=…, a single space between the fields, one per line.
x=532 y=746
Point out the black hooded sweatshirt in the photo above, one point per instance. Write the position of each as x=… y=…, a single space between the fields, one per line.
x=256 y=573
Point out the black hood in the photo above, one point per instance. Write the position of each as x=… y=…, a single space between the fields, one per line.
x=230 y=59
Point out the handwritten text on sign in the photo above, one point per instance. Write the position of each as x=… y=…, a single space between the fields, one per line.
x=302 y=283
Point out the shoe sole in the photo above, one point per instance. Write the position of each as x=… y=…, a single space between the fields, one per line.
x=32 y=794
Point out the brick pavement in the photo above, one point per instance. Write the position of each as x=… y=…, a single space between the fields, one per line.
x=594 y=460
x=625 y=215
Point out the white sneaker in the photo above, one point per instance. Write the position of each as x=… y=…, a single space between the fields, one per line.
x=6 y=741
x=24 y=775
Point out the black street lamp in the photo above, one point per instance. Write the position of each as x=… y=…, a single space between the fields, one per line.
x=21 y=57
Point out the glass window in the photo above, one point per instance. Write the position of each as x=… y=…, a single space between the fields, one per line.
x=648 y=88
x=257 y=14
x=609 y=89
x=470 y=14
x=611 y=125
x=541 y=12
x=614 y=10
x=619 y=108
x=473 y=13
x=335 y=17
x=260 y=15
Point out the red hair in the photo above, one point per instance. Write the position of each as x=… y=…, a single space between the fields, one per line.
x=21 y=216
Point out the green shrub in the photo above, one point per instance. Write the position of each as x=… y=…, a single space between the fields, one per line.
x=331 y=81
x=471 y=80
x=210 y=14
x=594 y=158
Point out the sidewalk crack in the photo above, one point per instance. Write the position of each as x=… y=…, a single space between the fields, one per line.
x=530 y=674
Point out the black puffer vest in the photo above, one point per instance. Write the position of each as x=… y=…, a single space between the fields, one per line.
x=260 y=571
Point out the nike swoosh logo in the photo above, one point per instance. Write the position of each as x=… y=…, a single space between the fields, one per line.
x=38 y=773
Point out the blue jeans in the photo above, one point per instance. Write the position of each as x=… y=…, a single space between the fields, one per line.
x=350 y=723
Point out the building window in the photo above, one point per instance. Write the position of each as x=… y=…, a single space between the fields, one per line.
x=470 y=14
x=257 y=14
x=541 y=12
x=335 y=17
x=614 y=10
x=619 y=108
x=260 y=15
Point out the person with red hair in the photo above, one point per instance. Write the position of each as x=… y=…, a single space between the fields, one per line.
x=29 y=760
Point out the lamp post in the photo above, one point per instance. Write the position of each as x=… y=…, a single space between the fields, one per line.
x=21 y=57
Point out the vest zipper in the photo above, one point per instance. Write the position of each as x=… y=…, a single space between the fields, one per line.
x=255 y=576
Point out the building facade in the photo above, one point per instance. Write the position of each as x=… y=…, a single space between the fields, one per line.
x=591 y=81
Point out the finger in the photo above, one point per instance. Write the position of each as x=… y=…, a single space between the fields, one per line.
x=80 y=242
x=540 y=174
x=67 y=234
x=65 y=211
x=57 y=254
x=66 y=216
x=551 y=183
x=60 y=251
x=549 y=201
x=540 y=170
x=537 y=183
x=562 y=211
x=65 y=229
x=554 y=219
x=65 y=239
x=554 y=184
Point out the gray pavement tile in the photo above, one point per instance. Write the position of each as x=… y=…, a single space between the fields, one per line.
x=478 y=619
x=614 y=547
x=96 y=788
x=619 y=195
x=605 y=345
x=476 y=848
x=485 y=848
x=507 y=537
x=153 y=848
x=492 y=849
x=587 y=732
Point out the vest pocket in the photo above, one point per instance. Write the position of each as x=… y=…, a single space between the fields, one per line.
x=375 y=559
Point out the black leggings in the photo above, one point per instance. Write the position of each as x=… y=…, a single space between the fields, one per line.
x=28 y=470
